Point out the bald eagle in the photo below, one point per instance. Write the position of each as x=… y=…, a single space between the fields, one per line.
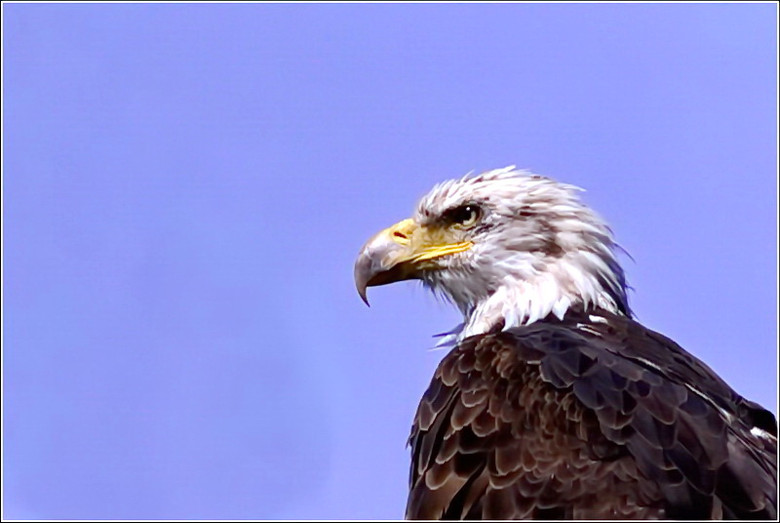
x=554 y=402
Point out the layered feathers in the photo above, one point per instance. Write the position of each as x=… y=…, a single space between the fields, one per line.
x=587 y=419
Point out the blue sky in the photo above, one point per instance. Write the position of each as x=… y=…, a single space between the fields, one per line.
x=186 y=188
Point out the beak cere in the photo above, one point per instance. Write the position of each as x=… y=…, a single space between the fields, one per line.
x=400 y=253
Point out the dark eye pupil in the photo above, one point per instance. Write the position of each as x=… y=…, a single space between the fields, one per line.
x=464 y=214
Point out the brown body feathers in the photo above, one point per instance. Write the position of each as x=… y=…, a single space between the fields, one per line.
x=587 y=420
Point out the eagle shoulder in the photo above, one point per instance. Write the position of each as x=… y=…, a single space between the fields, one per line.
x=589 y=417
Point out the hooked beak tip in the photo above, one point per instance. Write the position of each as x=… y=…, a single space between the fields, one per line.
x=363 y=296
x=381 y=259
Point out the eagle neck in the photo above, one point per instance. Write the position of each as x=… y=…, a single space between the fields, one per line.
x=524 y=299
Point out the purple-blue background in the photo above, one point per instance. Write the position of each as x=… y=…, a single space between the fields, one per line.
x=186 y=188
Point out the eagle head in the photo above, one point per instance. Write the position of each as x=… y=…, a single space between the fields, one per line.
x=505 y=246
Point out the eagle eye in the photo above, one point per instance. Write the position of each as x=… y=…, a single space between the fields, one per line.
x=464 y=216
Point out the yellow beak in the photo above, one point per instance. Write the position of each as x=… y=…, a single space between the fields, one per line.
x=399 y=253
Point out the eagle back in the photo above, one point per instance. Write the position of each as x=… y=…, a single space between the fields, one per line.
x=589 y=417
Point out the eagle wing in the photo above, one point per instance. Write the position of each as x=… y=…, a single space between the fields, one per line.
x=590 y=417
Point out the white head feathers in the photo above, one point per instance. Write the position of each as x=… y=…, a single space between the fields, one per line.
x=537 y=250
